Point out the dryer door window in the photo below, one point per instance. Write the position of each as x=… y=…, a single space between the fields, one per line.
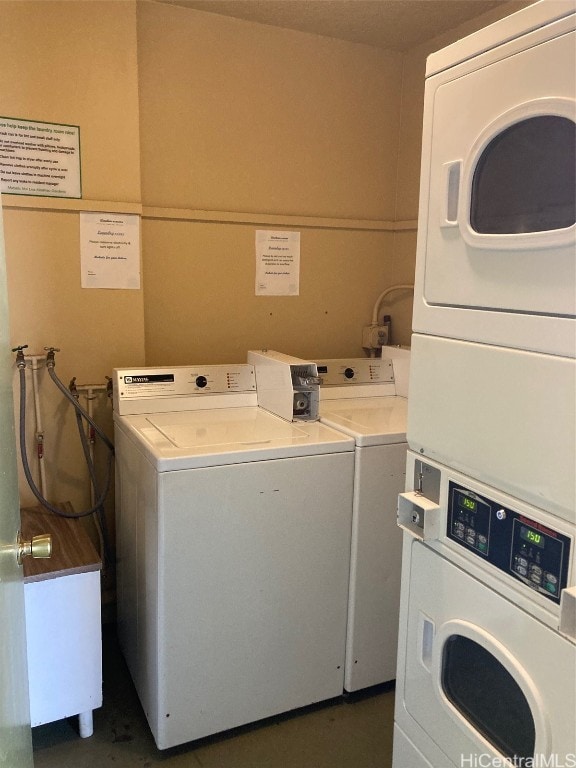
x=525 y=179
x=487 y=695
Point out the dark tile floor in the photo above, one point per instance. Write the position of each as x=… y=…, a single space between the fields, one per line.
x=355 y=732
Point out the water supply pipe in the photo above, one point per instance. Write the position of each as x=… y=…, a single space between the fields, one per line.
x=34 y=361
x=50 y=365
x=380 y=299
x=89 y=390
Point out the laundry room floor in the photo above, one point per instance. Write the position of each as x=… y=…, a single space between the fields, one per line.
x=355 y=732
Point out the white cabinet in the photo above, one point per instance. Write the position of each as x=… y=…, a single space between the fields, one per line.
x=63 y=624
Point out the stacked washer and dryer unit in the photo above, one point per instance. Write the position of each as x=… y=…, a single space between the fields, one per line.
x=487 y=650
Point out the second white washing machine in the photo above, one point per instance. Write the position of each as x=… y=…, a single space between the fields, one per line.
x=233 y=530
x=359 y=397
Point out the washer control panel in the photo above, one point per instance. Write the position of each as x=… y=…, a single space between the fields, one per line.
x=340 y=371
x=149 y=390
x=531 y=552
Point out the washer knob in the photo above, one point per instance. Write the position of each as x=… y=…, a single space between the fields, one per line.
x=349 y=373
x=201 y=381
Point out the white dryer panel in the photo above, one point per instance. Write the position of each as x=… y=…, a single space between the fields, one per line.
x=407 y=755
x=444 y=602
x=512 y=28
x=502 y=416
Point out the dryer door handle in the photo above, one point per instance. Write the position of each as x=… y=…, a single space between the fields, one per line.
x=426 y=640
x=451 y=186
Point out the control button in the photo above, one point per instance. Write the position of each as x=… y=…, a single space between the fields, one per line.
x=534 y=569
x=482 y=546
x=535 y=578
x=471 y=540
x=349 y=373
x=201 y=381
x=482 y=539
x=470 y=532
x=550 y=587
x=550 y=577
x=459 y=533
x=522 y=561
x=459 y=526
x=521 y=570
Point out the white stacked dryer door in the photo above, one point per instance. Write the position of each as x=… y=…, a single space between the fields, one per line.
x=358 y=397
x=234 y=539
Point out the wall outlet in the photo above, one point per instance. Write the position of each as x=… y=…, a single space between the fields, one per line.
x=375 y=336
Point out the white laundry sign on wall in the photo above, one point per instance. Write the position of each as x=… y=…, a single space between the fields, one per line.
x=110 y=250
x=277 y=263
x=39 y=159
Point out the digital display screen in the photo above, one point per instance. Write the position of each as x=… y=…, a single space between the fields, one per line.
x=532 y=536
x=467 y=503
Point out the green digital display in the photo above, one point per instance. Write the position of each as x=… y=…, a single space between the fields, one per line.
x=532 y=536
x=467 y=503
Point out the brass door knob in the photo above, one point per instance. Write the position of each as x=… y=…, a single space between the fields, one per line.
x=39 y=546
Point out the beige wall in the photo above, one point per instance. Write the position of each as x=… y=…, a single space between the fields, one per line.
x=200 y=302
x=256 y=127
x=244 y=117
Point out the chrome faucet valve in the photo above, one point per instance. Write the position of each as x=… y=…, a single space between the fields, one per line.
x=20 y=361
x=50 y=356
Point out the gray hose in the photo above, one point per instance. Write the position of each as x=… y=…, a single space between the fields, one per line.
x=25 y=465
x=66 y=392
x=99 y=516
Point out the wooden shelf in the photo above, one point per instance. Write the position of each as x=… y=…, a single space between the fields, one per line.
x=72 y=549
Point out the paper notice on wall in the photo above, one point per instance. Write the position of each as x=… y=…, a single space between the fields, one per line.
x=39 y=159
x=277 y=263
x=110 y=250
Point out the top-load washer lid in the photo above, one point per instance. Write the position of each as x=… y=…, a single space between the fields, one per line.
x=207 y=438
x=369 y=420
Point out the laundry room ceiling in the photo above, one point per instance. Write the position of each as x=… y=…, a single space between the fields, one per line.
x=392 y=24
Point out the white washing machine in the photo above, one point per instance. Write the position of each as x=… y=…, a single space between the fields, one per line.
x=487 y=648
x=359 y=398
x=233 y=551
